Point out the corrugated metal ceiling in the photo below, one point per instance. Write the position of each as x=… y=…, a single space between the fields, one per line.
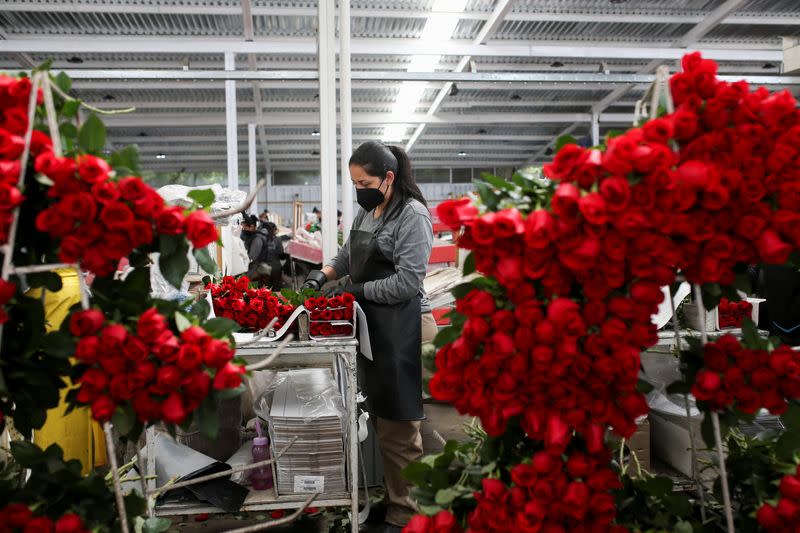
x=600 y=23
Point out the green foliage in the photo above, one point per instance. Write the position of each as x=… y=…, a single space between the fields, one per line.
x=56 y=486
x=173 y=261
x=205 y=261
x=202 y=197
x=298 y=298
x=92 y=135
x=526 y=193
x=650 y=503
x=125 y=161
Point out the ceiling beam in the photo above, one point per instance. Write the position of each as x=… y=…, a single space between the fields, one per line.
x=168 y=140
x=638 y=16
x=289 y=120
x=47 y=43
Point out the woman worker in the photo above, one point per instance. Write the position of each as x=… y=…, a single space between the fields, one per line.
x=386 y=257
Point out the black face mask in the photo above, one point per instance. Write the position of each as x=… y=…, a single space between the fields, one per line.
x=370 y=198
x=246 y=233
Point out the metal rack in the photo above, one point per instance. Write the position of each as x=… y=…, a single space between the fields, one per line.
x=340 y=356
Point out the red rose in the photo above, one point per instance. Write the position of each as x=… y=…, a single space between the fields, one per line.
x=117 y=216
x=563 y=311
x=151 y=324
x=195 y=335
x=140 y=233
x=121 y=388
x=166 y=346
x=445 y=522
x=87 y=350
x=87 y=322
x=540 y=229
x=40 y=141
x=94 y=379
x=200 y=229
x=790 y=488
x=508 y=223
x=92 y=169
x=476 y=303
x=9 y=172
x=39 y=524
x=419 y=524
x=15 y=120
x=768 y=518
x=616 y=192
x=228 y=377
x=70 y=523
x=149 y=205
x=170 y=221
x=455 y=213
x=7 y=291
x=10 y=197
x=483 y=229
x=132 y=188
x=168 y=377
x=147 y=409
x=17 y=514
x=173 y=410
x=773 y=249
x=143 y=374
x=134 y=349
x=189 y=357
x=325 y=330
x=103 y=408
x=565 y=201
x=217 y=353
x=196 y=385
x=53 y=222
x=11 y=146
x=105 y=192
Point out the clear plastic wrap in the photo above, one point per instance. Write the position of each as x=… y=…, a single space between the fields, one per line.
x=306 y=404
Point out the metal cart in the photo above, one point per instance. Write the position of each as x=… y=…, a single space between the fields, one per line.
x=340 y=356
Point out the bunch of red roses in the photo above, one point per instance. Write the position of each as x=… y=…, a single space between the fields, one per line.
x=99 y=221
x=556 y=342
x=549 y=494
x=731 y=314
x=331 y=317
x=785 y=515
x=250 y=308
x=14 y=95
x=747 y=379
x=442 y=522
x=161 y=375
x=18 y=518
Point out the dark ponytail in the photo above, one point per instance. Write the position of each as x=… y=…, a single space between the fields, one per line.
x=377 y=159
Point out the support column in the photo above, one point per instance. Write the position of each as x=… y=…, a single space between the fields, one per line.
x=251 y=160
x=230 y=125
x=345 y=115
x=595 y=128
x=327 y=126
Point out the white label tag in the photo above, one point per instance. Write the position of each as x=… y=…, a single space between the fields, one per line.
x=309 y=484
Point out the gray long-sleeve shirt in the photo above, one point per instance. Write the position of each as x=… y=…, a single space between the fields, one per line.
x=407 y=240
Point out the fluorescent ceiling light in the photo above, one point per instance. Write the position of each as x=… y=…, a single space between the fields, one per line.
x=440 y=26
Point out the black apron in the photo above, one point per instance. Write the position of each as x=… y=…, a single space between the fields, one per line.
x=392 y=381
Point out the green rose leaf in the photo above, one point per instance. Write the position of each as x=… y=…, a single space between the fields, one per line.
x=49 y=280
x=27 y=454
x=207 y=419
x=124 y=419
x=205 y=261
x=92 y=135
x=204 y=197
x=220 y=327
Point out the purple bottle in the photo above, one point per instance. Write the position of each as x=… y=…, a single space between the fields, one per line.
x=261 y=478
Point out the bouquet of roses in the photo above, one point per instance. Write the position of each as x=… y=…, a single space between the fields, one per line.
x=731 y=313
x=147 y=369
x=19 y=518
x=331 y=317
x=251 y=308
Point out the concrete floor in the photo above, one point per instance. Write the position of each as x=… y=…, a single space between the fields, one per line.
x=440 y=417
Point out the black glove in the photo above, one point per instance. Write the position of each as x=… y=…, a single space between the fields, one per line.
x=315 y=280
x=356 y=289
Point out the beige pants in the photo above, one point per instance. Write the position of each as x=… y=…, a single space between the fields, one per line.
x=400 y=443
